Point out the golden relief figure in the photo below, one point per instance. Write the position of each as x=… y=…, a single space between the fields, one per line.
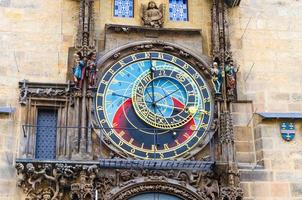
x=152 y=15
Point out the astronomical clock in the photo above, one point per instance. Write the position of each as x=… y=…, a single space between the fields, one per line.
x=154 y=104
x=145 y=117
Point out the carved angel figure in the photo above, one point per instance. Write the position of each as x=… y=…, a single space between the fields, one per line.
x=152 y=15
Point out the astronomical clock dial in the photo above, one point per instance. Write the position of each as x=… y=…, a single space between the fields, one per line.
x=153 y=105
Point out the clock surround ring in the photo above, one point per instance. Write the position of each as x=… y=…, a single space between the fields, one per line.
x=201 y=64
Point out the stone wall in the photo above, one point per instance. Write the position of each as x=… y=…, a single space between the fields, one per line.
x=278 y=173
x=266 y=39
x=34 y=39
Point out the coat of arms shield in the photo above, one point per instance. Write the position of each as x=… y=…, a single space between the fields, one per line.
x=288 y=130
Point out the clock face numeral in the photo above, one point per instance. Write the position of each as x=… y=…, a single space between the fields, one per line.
x=153 y=105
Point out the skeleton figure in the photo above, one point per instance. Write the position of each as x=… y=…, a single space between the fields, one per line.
x=152 y=15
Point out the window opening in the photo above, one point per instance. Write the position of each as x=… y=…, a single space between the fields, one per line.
x=46 y=134
x=178 y=10
x=123 y=8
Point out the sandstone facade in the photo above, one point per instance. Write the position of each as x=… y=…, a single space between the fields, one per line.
x=35 y=37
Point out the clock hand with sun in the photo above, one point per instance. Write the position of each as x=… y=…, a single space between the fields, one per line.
x=152 y=70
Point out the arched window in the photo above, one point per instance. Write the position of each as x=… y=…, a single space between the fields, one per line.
x=178 y=10
x=123 y=8
x=154 y=196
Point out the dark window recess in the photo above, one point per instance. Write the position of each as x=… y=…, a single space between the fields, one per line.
x=46 y=134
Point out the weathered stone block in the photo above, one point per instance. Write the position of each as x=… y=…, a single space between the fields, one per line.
x=255 y=175
x=285 y=176
x=298 y=164
x=296 y=189
x=260 y=189
x=258 y=145
x=280 y=190
x=244 y=147
x=280 y=164
x=241 y=119
x=242 y=108
x=7 y=187
x=246 y=188
x=7 y=172
x=5 y=3
x=243 y=133
x=245 y=157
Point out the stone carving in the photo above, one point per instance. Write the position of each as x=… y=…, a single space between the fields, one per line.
x=143 y=47
x=152 y=15
x=226 y=126
x=211 y=189
x=74 y=181
x=85 y=40
x=231 y=193
x=32 y=90
x=50 y=181
x=157 y=187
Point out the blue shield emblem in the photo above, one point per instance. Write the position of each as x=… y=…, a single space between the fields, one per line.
x=288 y=130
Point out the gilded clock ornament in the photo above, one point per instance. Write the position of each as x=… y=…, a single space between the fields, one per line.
x=153 y=104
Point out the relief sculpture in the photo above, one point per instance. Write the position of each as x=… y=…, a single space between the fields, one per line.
x=152 y=15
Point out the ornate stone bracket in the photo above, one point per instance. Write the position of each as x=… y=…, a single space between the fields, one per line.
x=49 y=90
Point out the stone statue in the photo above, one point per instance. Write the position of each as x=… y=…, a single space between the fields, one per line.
x=79 y=69
x=217 y=77
x=46 y=194
x=91 y=66
x=152 y=15
x=231 y=71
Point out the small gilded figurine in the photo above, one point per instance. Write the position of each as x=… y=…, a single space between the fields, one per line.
x=78 y=69
x=91 y=66
x=152 y=15
x=217 y=77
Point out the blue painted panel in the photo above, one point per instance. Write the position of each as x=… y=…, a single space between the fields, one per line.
x=123 y=8
x=46 y=134
x=154 y=196
x=178 y=10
